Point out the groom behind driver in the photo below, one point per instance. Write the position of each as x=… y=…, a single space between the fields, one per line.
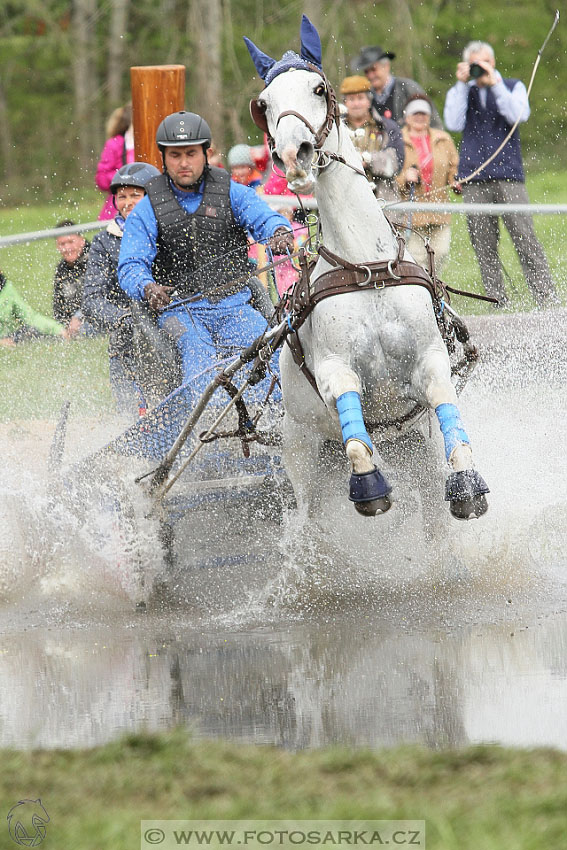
x=189 y=236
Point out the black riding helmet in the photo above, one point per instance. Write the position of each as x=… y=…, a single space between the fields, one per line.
x=183 y=128
x=133 y=174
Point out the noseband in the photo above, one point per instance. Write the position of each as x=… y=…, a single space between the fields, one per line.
x=258 y=113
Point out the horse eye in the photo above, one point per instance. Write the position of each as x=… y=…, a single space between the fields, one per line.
x=320 y=90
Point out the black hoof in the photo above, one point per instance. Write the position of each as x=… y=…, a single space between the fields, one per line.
x=373 y=507
x=370 y=492
x=466 y=493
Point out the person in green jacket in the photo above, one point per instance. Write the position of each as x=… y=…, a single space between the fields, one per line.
x=18 y=320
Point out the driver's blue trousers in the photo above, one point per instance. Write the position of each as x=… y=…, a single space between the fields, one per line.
x=206 y=333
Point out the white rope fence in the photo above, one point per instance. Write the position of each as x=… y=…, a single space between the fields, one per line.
x=280 y=201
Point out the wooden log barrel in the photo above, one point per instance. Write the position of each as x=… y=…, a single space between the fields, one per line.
x=157 y=91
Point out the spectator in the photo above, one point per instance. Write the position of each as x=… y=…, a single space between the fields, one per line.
x=242 y=167
x=430 y=165
x=105 y=304
x=69 y=280
x=117 y=151
x=19 y=321
x=484 y=107
x=377 y=139
x=390 y=94
x=215 y=156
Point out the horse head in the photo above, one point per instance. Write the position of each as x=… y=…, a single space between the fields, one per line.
x=297 y=110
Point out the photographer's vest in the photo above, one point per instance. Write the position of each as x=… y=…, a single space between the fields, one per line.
x=484 y=132
x=203 y=250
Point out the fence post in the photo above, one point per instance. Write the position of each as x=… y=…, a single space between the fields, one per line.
x=157 y=90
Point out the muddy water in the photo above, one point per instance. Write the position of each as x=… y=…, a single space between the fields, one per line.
x=363 y=632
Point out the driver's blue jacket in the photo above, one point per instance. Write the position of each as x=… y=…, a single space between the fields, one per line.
x=138 y=248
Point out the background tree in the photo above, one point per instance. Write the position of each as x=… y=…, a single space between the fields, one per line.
x=64 y=67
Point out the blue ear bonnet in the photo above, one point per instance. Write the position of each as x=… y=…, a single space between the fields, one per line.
x=311 y=53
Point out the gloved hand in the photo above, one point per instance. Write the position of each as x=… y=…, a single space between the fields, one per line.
x=282 y=241
x=157 y=296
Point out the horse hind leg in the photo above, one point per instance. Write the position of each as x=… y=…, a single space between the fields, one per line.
x=301 y=453
x=369 y=490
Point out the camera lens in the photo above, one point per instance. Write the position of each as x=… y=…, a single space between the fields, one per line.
x=476 y=71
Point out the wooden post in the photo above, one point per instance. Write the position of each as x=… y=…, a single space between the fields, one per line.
x=157 y=91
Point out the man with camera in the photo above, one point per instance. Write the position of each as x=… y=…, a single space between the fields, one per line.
x=484 y=107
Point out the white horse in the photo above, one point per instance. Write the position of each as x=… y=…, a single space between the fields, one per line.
x=374 y=350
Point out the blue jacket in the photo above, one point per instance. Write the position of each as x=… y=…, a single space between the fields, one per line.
x=138 y=249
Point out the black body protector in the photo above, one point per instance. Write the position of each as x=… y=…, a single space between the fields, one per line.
x=201 y=251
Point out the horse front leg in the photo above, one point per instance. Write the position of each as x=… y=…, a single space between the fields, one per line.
x=465 y=489
x=340 y=389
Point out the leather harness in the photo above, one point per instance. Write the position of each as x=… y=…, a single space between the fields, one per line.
x=350 y=277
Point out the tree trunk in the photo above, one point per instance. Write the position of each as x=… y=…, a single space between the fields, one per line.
x=84 y=79
x=205 y=94
x=116 y=45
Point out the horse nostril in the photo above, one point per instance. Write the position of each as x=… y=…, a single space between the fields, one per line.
x=278 y=162
x=305 y=155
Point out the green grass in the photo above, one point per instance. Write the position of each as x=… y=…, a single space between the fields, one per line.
x=462 y=269
x=39 y=376
x=481 y=798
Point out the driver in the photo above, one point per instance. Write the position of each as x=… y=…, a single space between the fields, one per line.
x=187 y=237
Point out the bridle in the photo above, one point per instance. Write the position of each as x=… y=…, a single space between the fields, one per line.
x=258 y=113
x=333 y=117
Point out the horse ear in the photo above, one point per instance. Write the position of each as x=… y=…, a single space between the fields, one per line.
x=262 y=61
x=310 y=43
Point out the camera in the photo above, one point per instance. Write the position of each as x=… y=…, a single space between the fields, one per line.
x=476 y=71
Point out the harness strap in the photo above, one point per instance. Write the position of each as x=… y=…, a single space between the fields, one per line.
x=352 y=277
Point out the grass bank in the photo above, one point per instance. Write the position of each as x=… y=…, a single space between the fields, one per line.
x=38 y=377
x=481 y=798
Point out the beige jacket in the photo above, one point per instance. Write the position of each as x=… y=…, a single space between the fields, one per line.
x=445 y=165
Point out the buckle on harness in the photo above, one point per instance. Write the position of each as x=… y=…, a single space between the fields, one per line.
x=392 y=272
x=368 y=276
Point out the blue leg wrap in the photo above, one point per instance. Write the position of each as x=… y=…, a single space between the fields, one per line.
x=350 y=416
x=451 y=427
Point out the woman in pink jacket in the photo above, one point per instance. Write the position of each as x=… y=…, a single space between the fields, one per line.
x=118 y=150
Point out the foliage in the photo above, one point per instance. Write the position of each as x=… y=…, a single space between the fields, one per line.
x=39 y=139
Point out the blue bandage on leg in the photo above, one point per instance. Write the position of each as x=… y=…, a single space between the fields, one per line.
x=451 y=426
x=350 y=416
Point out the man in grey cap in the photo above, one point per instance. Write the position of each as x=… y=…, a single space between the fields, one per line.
x=390 y=94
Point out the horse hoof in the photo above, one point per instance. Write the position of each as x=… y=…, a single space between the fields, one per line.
x=469 y=508
x=373 y=507
x=466 y=493
x=370 y=493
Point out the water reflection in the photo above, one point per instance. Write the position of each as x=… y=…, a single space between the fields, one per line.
x=344 y=681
